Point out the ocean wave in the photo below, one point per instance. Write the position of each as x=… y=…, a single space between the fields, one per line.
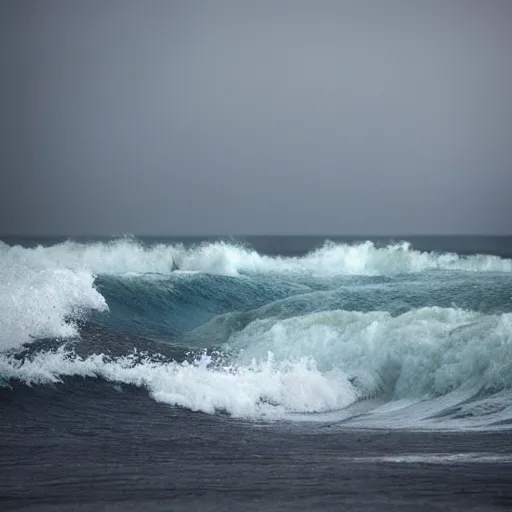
x=262 y=388
x=45 y=290
x=319 y=363
x=126 y=256
x=339 y=326
x=424 y=351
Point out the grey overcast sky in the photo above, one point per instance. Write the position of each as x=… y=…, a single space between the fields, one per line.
x=241 y=117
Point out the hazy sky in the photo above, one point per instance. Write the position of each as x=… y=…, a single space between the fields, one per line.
x=199 y=117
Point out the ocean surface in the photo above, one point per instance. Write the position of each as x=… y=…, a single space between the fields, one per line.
x=259 y=373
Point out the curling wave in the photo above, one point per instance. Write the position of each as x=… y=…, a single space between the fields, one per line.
x=320 y=363
x=373 y=336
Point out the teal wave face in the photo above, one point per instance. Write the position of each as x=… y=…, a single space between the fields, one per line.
x=210 y=307
x=170 y=306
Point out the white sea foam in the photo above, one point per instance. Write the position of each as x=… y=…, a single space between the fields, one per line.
x=423 y=362
x=125 y=256
x=43 y=303
x=262 y=388
x=430 y=350
x=436 y=458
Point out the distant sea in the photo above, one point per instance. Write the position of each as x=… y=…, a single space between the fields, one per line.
x=256 y=373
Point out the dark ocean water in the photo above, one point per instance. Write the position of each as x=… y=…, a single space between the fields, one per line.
x=266 y=373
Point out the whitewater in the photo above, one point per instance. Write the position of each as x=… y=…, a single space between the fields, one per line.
x=364 y=335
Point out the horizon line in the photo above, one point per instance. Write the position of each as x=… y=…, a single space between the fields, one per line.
x=248 y=235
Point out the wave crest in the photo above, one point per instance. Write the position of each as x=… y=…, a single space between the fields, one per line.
x=431 y=350
x=43 y=303
x=129 y=256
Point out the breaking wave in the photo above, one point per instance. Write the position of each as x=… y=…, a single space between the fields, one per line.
x=43 y=303
x=129 y=256
x=374 y=336
x=316 y=363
